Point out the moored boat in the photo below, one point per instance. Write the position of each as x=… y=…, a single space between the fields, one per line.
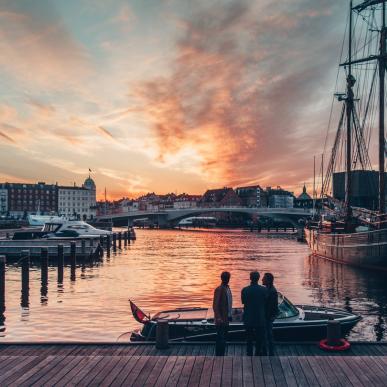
x=294 y=322
x=358 y=236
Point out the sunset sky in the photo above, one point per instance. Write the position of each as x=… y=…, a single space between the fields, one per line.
x=166 y=95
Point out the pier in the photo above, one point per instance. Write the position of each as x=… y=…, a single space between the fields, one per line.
x=186 y=364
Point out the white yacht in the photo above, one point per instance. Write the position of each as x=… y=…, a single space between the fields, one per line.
x=40 y=220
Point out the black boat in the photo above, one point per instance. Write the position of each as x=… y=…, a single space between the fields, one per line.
x=294 y=323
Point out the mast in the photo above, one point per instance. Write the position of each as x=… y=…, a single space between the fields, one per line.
x=314 y=185
x=382 y=69
x=349 y=107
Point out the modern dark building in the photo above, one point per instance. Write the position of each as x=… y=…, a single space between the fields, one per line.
x=27 y=198
x=252 y=196
x=223 y=197
x=364 y=191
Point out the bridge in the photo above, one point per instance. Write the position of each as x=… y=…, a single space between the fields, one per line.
x=173 y=216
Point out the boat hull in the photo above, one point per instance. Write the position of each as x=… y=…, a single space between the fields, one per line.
x=312 y=331
x=363 y=249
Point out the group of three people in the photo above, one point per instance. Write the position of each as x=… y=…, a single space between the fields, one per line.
x=260 y=308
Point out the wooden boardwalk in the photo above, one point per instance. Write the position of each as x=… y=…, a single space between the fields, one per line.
x=188 y=365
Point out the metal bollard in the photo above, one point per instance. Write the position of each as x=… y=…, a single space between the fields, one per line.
x=333 y=332
x=162 y=334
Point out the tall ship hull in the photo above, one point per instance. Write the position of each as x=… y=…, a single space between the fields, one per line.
x=363 y=249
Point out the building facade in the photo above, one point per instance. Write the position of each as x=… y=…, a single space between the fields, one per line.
x=31 y=198
x=252 y=196
x=186 y=201
x=78 y=202
x=223 y=197
x=3 y=200
x=279 y=198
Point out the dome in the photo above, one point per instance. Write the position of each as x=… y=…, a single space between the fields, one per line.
x=89 y=183
x=304 y=195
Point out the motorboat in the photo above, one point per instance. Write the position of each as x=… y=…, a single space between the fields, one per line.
x=41 y=220
x=293 y=323
x=62 y=228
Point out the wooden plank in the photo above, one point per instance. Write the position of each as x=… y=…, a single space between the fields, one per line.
x=82 y=374
x=186 y=371
x=153 y=376
x=247 y=371
x=125 y=370
x=58 y=372
x=104 y=367
x=360 y=369
x=308 y=372
x=287 y=369
x=336 y=370
x=145 y=371
x=351 y=376
x=22 y=378
x=162 y=380
x=325 y=379
x=237 y=371
x=176 y=371
x=216 y=375
x=47 y=371
x=277 y=371
x=268 y=374
x=297 y=371
x=227 y=371
x=379 y=373
x=135 y=371
x=24 y=364
x=80 y=362
x=205 y=378
x=196 y=373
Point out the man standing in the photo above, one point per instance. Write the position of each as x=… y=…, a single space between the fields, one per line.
x=222 y=306
x=271 y=312
x=254 y=299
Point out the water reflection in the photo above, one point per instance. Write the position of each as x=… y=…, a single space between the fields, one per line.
x=168 y=269
x=356 y=290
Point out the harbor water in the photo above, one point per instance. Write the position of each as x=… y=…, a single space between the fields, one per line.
x=174 y=268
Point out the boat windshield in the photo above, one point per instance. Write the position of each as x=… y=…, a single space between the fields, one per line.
x=286 y=308
x=51 y=227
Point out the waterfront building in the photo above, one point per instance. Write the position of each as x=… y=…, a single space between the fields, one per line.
x=223 y=197
x=78 y=202
x=304 y=200
x=3 y=200
x=31 y=198
x=364 y=188
x=186 y=201
x=252 y=196
x=280 y=198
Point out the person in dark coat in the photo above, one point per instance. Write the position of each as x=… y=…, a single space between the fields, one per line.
x=222 y=306
x=271 y=312
x=254 y=299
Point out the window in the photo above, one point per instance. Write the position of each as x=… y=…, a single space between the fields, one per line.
x=286 y=308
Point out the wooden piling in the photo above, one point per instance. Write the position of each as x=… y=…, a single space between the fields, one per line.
x=83 y=247
x=114 y=242
x=101 y=240
x=60 y=263
x=120 y=240
x=125 y=238
x=91 y=242
x=25 y=278
x=108 y=245
x=2 y=289
x=73 y=260
x=43 y=273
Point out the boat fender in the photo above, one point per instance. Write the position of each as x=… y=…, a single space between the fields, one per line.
x=343 y=345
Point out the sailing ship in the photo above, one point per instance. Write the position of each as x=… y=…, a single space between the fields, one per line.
x=342 y=232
